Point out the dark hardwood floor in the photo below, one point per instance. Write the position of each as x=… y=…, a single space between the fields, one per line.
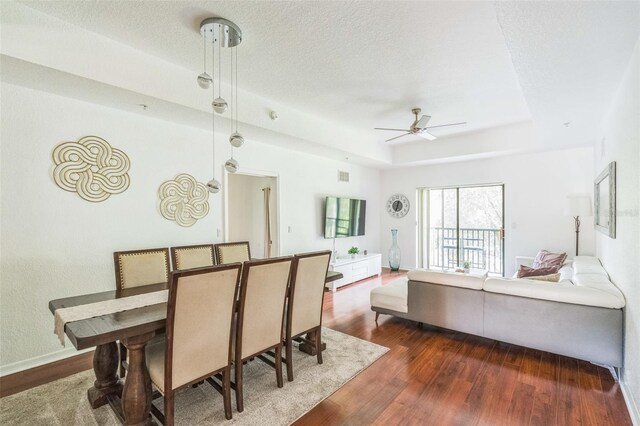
x=433 y=376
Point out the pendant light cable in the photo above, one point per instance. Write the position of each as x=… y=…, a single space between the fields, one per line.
x=213 y=113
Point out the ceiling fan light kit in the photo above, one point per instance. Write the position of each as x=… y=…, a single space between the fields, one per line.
x=418 y=127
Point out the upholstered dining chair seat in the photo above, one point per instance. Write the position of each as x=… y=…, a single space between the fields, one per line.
x=201 y=308
x=155 y=352
x=259 y=324
x=304 y=308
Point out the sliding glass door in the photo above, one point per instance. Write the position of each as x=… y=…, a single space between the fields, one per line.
x=462 y=224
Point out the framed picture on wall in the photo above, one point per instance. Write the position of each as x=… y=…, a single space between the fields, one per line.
x=605 y=201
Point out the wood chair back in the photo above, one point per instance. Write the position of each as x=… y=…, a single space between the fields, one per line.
x=232 y=252
x=306 y=292
x=263 y=291
x=200 y=314
x=189 y=257
x=141 y=267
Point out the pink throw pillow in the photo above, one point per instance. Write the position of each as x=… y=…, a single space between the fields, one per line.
x=525 y=271
x=545 y=259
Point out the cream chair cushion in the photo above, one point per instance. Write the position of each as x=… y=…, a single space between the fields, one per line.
x=233 y=253
x=137 y=269
x=204 y=309
x=194 y=257
x=264 y=306
x=155 y=362
x=307 y=295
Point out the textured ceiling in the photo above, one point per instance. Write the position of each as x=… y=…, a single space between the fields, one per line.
x=361 y=63
x=570 y=58
x=367 y=63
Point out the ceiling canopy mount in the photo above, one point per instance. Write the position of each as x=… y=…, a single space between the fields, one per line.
x=229 y=33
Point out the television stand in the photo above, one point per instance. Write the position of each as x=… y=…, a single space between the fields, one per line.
x=355 y=268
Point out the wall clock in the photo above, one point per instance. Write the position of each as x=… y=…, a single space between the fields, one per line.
x=398 y=205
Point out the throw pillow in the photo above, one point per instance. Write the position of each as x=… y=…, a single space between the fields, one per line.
x=526 y=271
x=546 y=259
x=553 y=278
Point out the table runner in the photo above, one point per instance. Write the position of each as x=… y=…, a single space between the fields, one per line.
x=91 y=310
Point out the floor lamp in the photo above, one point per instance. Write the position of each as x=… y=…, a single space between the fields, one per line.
x=578 y=205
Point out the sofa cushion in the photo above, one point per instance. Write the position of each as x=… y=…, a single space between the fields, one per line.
x=526 y=271
x=588 y=265
x=392 y=296
x=545 y=259
x=551 y=278
x=564 y=292
x=453 y=279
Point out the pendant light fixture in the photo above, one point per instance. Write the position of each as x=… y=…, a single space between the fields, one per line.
x=225 y=34
x=204 y=80
x=235 y=139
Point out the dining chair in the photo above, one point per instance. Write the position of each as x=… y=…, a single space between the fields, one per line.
x=259 y=329
x=141 y=267
x=232 y=252
x=136 y=268
x=304 y=307
x=189 y=257
x=200 y=316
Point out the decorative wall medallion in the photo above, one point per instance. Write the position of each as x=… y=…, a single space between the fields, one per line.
x=183 y=200
x=91 y=167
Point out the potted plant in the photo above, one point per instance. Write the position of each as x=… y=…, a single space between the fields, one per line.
x=466 y=265
x=353 y=251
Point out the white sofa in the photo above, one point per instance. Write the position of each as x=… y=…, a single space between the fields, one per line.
x=581 y=316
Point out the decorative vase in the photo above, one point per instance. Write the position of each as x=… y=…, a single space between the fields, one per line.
x=394 y=251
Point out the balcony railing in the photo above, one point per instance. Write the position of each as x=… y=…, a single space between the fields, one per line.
x=481 y=247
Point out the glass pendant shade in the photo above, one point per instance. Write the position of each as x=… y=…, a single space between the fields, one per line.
x=219 y=105
x=204 y=80
x=236 y=140
x=213 y=186
x=231 y=165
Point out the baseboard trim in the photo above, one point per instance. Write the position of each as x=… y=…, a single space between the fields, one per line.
x=634 y=413
x=36 y=376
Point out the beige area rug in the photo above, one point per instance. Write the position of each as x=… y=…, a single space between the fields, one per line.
x=64 y=402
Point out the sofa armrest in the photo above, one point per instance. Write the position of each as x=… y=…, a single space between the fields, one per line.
x=524 y=260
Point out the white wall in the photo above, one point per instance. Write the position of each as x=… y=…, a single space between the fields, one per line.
x=536 y=187
x=54 y=244
x=620 y=256
x=246 y=211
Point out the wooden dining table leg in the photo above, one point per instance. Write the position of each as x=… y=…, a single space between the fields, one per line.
x=136 y=395
x=105 y=367
x=311 y=349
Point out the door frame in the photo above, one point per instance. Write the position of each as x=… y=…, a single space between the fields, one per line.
x=225 y=208
x=423 y=245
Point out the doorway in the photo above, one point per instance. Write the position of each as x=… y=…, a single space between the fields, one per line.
x=462 y=224
x=252 y=212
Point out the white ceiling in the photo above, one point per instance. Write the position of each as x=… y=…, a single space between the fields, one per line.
x=365 y=64
x=362 y=63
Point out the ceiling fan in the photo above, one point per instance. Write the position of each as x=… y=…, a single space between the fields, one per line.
x=419 y=127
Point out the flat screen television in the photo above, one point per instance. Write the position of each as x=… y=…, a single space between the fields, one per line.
x=344 y=217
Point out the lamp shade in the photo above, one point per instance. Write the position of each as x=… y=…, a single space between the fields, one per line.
x=578 y=205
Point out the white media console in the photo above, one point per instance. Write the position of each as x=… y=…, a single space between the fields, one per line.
x=355 y=268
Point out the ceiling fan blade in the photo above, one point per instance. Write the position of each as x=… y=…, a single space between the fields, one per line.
x=422 y=123
x=395 y=130
x=389 y=140
x=446 y=125
x=427 y=136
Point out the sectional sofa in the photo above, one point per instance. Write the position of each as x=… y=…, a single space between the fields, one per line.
x=581 y=316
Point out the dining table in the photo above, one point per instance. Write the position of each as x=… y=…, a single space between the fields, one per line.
x=130 y=398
